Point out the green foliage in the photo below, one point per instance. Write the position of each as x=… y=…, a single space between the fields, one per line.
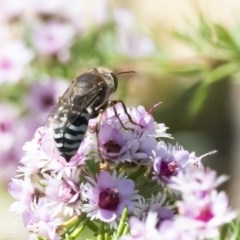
x=230 y=231
x=217 y=58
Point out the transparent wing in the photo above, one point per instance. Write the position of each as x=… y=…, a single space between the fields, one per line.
x=72 y=104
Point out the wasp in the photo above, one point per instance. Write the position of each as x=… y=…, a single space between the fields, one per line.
x=85 y=98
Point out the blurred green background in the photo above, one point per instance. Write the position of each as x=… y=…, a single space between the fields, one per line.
x=186 y=55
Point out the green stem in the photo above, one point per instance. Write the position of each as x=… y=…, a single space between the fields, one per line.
x=71 y=221
x=67 y=237
x=79 y=229
x=92 y=226
x=107 y=237
x=101 y=232
x=122 y=223
x=75 y=224
x=126 y=230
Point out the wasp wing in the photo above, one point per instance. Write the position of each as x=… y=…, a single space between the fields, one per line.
x=72 y=104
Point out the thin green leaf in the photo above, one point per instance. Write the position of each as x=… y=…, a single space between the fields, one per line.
x=236 y=230
x=198 y=100
x=223 y=232
x=122 y=224
x=101 y=233
x=221 y=72
x=78 y=230
x=227 y=39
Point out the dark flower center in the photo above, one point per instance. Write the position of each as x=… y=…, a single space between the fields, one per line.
x=5 y=64
x=112 y=147
x=109 y=199
x=168 y=169
x=205 y=215
x=48 y=101
x=4 y=127
x=49 y=38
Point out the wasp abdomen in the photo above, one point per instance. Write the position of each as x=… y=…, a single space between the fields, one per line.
x=68 y=137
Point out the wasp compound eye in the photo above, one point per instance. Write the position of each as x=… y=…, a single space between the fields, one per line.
x=115 y=79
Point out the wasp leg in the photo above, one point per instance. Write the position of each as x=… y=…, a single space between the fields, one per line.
x=96 y=130
x=112 y=104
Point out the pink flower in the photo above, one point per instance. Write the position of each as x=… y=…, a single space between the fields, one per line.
x=198 y=182
x=40 y=220
x=129 y=41
x=173 y=230
x=22 y=191
x=123 y=139
x=14 y=58
x=8 y=126
x=202 y=209
x=205 y=215
x=45 y=7
x=108 y=196
x=10 y=9
x=99 y=12
x=54 y=39
x=168 y=161
x=12 y=136
x=42 y=97
x=45 y=93
x=83 y=15
x=117 y=144
x=143 y=230
x=157 y=204
x=40 y=154
x=65 y=191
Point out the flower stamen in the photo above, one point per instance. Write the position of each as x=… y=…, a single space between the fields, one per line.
x=109 y=199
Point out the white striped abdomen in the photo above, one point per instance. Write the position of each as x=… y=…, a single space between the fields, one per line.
x=69 y=133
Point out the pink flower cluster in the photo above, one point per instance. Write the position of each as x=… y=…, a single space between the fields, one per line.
x=101 y=180
x=201 y=211
x=17 y=125
x=49 y=29
x=14 y=59
x=10 y=150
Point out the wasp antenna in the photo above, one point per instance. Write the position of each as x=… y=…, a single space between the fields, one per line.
x=125 y=72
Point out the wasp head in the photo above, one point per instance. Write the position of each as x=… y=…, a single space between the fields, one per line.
x=109 y=77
